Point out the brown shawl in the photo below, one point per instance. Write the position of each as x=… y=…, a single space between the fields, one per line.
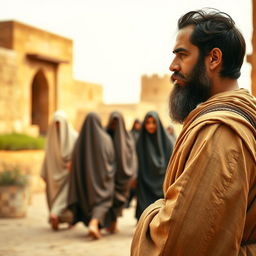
x=209 y=206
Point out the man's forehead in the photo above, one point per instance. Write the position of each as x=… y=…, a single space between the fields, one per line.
x=183 y=38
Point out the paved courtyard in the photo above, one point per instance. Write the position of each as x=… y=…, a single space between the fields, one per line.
x=32 y=236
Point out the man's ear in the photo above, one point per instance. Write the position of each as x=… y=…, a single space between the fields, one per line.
x=215 y=59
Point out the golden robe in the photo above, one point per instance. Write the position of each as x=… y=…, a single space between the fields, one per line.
x=209 y=205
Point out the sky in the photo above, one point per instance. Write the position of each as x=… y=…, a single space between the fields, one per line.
x=115 y=42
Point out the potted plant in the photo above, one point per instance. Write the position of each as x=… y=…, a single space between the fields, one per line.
x=14 y=193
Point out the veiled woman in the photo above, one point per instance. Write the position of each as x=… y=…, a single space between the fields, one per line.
x=135 y=131
x=126 y=160
x=92 y=175
x=55 y=170
x=154 y=149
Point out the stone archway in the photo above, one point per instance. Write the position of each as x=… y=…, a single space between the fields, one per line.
x=40 y=102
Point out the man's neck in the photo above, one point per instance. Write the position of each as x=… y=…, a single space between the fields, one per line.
x=224 y=85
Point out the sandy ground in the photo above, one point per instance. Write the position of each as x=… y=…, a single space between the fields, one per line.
x=32 y=236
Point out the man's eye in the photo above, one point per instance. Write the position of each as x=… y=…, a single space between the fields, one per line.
x=182 y=55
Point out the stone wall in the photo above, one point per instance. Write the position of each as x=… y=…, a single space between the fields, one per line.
x=9 y=96
x=82 y=95
x=155 y=88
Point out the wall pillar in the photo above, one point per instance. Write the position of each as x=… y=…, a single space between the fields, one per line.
x=252 y=58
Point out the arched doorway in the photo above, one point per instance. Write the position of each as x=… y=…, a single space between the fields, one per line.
x=40 y=102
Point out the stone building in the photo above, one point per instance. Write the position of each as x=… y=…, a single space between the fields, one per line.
x=36 y=78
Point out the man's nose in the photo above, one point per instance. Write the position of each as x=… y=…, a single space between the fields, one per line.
x=174 y=66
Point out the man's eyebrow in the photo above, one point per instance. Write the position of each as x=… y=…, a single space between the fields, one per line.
x=180 y=50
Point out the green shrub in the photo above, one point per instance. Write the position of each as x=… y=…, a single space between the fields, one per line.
x=17 y=141
x=12 y=176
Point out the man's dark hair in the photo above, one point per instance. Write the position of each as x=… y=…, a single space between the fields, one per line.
x=215 y=29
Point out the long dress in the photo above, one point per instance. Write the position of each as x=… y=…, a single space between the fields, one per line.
x=126 y=160
x=59 y=145
x=154 y=151
x=92 y=175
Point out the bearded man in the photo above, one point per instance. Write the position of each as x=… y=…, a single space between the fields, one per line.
x=209 y=204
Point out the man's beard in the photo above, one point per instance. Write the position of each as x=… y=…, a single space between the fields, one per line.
x=184 y=98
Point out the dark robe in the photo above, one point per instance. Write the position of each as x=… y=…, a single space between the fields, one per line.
x=133 y=190
x=92 y=176
x=154 y=151
x=126 y=161
x=135 y=133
